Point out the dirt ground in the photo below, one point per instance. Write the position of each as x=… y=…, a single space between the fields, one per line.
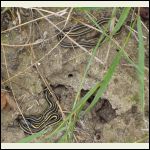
x=115 y=119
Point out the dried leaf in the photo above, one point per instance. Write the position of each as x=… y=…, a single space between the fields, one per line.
x=7 y=100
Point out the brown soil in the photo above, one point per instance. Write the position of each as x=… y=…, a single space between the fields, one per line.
x=117 y=118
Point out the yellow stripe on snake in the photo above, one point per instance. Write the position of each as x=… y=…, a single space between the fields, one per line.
x=79 y=31
x=33 y=123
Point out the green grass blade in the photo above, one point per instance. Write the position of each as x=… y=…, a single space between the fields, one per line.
x=121 y=20
x=141 y=61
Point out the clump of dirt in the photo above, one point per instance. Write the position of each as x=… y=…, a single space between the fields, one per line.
x=104 y=111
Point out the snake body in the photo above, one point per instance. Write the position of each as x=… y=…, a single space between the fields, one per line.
x=82 y=30
x=35 y=123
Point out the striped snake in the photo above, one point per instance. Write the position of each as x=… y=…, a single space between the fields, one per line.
x=79 y=31
x=35 y=123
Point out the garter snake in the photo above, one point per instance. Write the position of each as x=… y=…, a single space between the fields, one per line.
x=81 y=30
x=36 y=123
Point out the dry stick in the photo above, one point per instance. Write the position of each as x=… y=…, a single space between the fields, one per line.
x=145 y=26
x=19 y=17
x=69 y=14
x=84 y=49
x=60 y=13
x=48 y=11
x=134 y=32
x=109 y=46
x=47 y=84
x=12 y=89
x=133 y=14
x=130 y=65
x=36 y=61
x=75 y=138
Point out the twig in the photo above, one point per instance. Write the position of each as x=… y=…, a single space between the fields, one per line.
x=145 y=26
x=69 y=14
x=109 y=46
